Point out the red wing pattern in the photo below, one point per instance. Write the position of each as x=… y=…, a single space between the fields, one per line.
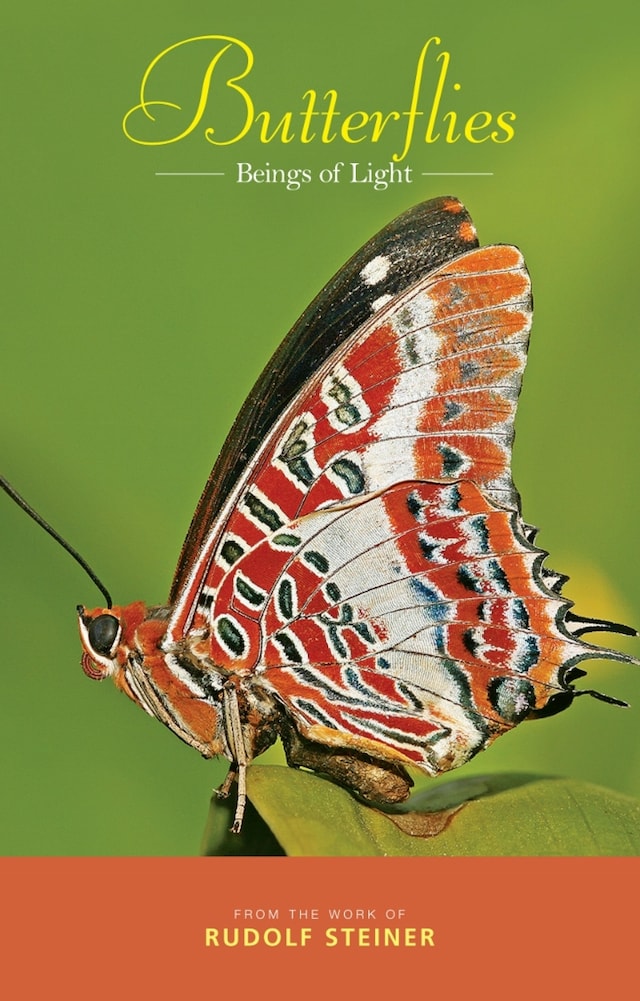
x=413 y=619
x=426 y=390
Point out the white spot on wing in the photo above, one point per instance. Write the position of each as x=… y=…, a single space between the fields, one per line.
x=381 y=301
x=376 y=270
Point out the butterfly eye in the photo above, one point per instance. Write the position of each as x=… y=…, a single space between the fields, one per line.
x=102 y=632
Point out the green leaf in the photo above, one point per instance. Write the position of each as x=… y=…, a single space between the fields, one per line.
x=299 y=813
x=255 y=838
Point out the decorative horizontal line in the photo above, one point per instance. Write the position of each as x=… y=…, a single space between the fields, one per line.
x=189 y=173
x=458 y=173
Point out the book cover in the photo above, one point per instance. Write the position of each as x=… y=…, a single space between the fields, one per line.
x=178 y=184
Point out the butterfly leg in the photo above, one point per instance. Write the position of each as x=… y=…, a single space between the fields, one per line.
x=238 y=750
x=223 y=790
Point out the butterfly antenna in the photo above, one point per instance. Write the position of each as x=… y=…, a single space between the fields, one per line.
x=21 y=502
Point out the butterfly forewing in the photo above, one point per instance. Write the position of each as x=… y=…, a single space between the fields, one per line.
x=426 y=389
x=414 y=244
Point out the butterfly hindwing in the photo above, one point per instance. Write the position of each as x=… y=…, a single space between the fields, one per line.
x=413 y=620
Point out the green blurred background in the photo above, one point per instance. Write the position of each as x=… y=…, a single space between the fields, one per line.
x=138 y=310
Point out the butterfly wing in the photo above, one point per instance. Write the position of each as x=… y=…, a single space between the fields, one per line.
x=371 y=571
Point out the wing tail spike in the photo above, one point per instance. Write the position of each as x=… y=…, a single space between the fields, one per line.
x=578 y=625
x=602 y=698
x=553 y=580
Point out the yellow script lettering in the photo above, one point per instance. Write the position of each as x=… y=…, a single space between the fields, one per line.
x=146 y=105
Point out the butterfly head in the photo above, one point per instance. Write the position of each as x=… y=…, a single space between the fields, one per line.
x=106 y=636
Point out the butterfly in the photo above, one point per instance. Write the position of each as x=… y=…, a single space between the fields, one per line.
x=358 y=580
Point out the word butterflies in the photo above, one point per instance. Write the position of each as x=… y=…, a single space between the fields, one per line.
x=357 y=579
